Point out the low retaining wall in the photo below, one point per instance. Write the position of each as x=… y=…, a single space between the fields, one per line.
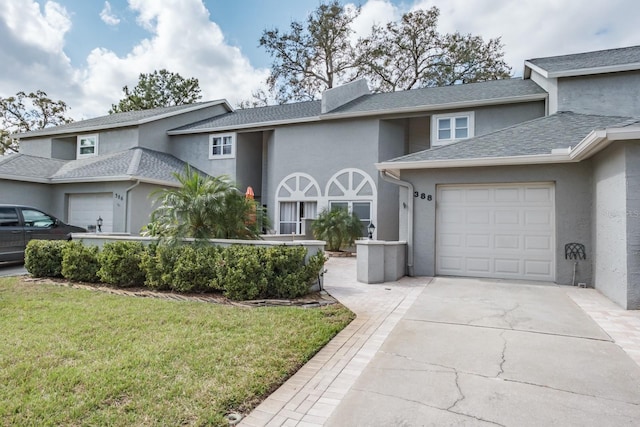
x=380 y=261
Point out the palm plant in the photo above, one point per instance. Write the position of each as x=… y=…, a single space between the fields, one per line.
x=337 y=227
x=203 y=207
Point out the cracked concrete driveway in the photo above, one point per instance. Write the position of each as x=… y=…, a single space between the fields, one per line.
x=486 y=352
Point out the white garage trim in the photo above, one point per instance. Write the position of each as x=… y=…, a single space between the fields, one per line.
x=499 y=231
x=85 y=208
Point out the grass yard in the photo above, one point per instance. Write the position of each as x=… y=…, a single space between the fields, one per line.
x=79 y=357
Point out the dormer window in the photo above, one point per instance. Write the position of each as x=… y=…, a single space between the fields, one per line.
x=448 y=128
x=87 y=146
x=222 y=146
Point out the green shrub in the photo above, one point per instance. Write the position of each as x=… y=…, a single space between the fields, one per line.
x=158 y=262
x=244 y=273
x=43 y=258
x=195 y=269
x=120 y=264
x=286 y=275
x=79 y=262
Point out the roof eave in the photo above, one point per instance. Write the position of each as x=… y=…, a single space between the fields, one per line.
x=269 y=124
x=129 y=123
x=25 y=178
x=579 y=71
x=562 y=157
x=119 y=178
x=435 y=107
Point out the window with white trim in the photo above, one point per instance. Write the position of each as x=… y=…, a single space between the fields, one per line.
x=448 y=128
x=87 y=146
x=293 y=213
x=361 y=209
x=222 y=146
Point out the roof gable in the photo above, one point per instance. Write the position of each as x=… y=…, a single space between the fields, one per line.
x=597 y=62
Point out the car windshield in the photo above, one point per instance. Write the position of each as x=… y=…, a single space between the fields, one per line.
x=33 y=218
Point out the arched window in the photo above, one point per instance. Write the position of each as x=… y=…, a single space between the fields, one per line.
x=354 y=190
x=297 y=199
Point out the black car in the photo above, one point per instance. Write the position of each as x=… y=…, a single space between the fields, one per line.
x=19 y=224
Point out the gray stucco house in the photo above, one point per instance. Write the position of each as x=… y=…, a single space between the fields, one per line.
x=487 y=180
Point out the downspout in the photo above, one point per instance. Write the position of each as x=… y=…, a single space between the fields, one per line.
x=393 y=180
x=126 y=205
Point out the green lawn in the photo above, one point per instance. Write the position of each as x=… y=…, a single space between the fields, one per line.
x=79 y=357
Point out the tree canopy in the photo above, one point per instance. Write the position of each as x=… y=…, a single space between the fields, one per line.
x=313 y=56
x=400 y=55
x=158 y=89
x=27 y=112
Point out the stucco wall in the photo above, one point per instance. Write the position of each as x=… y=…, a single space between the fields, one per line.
x=154 y=135
x=573 y=208
x=40 y=147
x=613 y=94
x=490 y=119
x=29 y=194
x=609 y=224
x=194 y=149
x=64 y=148
x=321 y=150
x=116 y=140
x=391 y=144
x=632 y=158
x=141 y=204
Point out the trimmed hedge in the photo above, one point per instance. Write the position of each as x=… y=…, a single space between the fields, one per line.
x=240 y=272
x=80 y=262
x=120 y=264
x=43 y=258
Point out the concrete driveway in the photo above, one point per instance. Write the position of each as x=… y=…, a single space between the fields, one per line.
x=486 y=352
x=12 y=269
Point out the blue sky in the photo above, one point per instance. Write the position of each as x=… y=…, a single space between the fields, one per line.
x=85 y=51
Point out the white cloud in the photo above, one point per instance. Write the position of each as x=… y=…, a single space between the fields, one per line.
x=539 y=28
x=373 y=12
x=107 y=16
x=188 y=43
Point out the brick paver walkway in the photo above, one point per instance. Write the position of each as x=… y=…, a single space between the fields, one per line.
x=623 y=326
x=310 y=396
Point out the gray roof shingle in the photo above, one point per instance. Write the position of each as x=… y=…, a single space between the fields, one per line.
x=135 y=163
x=597 y=59
x=128 y=118
x=441 y=96
x=248 y=116
x=539 y=136
x=427 y=98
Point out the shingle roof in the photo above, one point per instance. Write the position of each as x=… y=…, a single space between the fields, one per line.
x=539 y=136
x=597 y=59
x=128 y=118
x=136 y=163
x=427 y=98
x=441 y=96
x=248 y=116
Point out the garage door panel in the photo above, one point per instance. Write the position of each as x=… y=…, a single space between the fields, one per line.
x=507 y=241
x=501 y=231
x=479 y=241
x=85 y=208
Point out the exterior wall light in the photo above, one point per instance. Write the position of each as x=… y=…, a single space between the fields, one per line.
x=371 y=229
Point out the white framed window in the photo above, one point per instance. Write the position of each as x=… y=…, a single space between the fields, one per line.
x=222 y=146
x=87 y=146
x=448 y=128
x=362 y=209
x=293 y=213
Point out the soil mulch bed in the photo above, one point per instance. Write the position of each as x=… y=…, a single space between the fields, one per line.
x=314 y=299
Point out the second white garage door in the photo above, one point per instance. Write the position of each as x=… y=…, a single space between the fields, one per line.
x=84 y=210
x=498 y=231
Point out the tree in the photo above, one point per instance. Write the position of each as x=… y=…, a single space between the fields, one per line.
x=24 y=113
x=203 y=208
x=313 y=57
x=337 y=227
x=158 y=89
x=410 y=53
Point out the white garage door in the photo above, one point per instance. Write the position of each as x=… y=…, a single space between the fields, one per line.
x=499 y=231
x=84 y=210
